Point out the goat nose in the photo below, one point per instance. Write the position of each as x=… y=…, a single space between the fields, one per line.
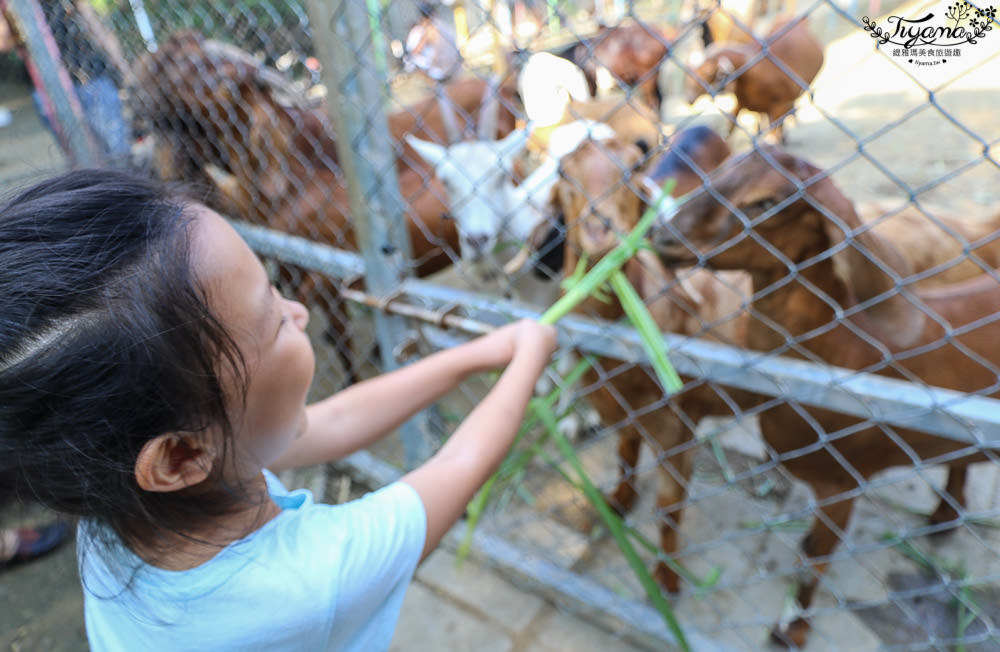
x=477 y=242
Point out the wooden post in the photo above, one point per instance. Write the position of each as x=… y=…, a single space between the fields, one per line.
x=358 y=95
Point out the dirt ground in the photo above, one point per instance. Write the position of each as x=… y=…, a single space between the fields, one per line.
x=41 y=603
x=867 y=111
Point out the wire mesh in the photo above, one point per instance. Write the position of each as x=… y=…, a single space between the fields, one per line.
x=808 y=499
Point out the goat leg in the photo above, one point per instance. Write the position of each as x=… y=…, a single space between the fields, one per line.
x=623 y=498
x=819 y=543
x=776 y=117
x=611 y=411
x=732 y=120
x=954 y=487
x=671 y=488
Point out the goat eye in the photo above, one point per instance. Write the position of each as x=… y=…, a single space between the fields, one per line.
x=761 y=206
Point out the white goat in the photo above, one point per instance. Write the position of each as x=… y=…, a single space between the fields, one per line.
x=478 y=177
x=490 y=210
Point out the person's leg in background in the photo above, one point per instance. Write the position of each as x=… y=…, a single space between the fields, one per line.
x=18 y=545
x=103 y=111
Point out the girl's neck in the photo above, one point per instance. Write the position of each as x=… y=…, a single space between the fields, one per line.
x=178 y=551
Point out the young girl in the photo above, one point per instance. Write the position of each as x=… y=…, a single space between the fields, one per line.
x=151 y=379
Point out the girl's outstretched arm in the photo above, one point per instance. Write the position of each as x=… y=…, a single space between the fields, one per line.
x=448 y=480
x=354 y=418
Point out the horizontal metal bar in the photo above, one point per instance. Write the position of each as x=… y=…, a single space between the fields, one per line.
x=955 y=415
x=966 y=418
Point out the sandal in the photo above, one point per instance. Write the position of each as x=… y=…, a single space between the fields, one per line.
x=33 y=542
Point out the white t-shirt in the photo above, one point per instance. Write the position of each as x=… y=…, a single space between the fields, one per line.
x=316 y=577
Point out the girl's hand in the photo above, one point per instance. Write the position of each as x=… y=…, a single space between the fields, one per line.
x=524 y=337
x=534 y=339
x=452 y=476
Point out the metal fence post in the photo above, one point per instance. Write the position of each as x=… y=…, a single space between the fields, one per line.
x=358 y=93
x=54 y=84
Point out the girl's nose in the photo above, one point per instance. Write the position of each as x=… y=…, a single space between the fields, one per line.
x=299 y=313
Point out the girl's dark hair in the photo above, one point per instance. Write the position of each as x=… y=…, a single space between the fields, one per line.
x=106 y=341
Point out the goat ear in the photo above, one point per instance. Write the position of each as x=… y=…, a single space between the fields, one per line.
x=869 y=265
x=431 y=152
x=726 y=66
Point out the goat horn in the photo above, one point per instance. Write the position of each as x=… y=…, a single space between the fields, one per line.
x=726 y=66
x=447 y=115
x=489 y=110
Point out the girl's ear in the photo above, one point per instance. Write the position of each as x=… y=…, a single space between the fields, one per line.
x=172 y=462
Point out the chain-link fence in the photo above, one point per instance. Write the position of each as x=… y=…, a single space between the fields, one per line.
x=828 y=300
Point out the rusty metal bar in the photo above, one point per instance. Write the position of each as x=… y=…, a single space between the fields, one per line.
x=358 y=92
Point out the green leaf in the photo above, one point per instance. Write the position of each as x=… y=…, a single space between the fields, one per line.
x=649 y=332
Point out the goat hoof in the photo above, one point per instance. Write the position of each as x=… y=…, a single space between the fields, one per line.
x=807 y=546
x=622 y=501
x=667 y=579
x=791 y=635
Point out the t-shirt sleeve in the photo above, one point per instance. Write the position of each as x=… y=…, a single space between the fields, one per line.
x=388 y=531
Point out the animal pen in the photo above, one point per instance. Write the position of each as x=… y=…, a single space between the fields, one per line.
x=293 y=116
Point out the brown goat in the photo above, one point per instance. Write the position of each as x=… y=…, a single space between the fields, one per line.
x=632 y=53
x=599 y=207
x=801 y=225
x=761 y=85
x=175 y=95
x=218 y=115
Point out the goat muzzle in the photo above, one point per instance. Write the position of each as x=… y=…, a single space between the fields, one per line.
x=668 y=245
